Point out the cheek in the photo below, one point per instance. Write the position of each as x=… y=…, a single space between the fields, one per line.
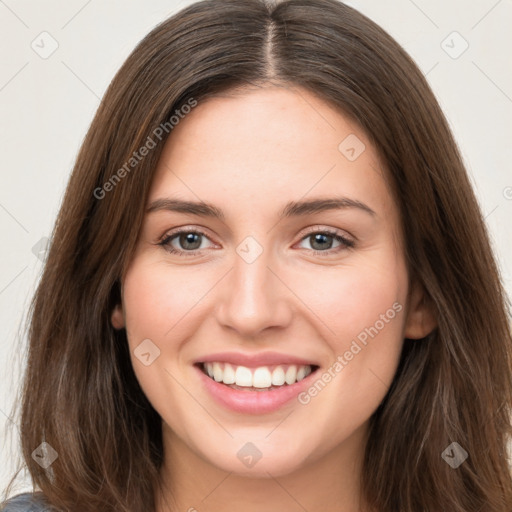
x=157 y=300
x=350 y=299
x=158 y=305
x=361 y=315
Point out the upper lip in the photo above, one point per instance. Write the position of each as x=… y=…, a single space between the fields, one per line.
x=255 y=360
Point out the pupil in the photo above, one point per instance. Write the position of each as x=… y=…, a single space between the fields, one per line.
x=319 y=237
x=187 y=239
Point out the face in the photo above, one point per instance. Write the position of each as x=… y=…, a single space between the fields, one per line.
x=297 y=312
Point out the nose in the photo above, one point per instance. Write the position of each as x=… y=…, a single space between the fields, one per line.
x=254 y=297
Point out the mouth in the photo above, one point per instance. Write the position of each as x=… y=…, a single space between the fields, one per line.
x=256 y=379
x=254 y=385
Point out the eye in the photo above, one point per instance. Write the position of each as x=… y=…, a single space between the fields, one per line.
x=188 y=240
x=322 y=241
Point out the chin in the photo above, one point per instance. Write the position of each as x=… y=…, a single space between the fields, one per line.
x=258 y=459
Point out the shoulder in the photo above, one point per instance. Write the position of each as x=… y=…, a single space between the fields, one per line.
x=26 y=502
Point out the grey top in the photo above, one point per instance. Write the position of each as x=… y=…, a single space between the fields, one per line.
x=26 y=502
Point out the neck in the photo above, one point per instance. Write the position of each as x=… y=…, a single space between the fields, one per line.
x=331 y=483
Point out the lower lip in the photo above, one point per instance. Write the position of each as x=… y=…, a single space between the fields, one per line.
x=253 y=402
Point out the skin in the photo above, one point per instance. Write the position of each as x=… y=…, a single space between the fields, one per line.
x=249 y=154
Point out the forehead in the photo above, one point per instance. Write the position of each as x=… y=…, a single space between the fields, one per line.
x=267 y=144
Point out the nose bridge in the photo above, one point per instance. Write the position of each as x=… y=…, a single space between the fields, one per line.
x=254 y=298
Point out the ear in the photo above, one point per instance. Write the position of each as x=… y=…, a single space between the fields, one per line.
x=420 y=320
x=117 y=317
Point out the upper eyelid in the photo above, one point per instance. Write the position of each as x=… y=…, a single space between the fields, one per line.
x=178 y=231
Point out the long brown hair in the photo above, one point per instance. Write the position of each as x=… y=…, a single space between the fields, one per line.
x=80 y=393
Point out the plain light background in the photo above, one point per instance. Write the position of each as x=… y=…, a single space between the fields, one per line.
x=47 y=104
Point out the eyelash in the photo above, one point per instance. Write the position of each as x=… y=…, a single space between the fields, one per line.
x=345 y=242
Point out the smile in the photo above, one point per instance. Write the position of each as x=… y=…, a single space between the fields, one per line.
x=262 y=378
x=254 y=384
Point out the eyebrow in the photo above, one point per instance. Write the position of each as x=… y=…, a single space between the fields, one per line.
x=291 y=209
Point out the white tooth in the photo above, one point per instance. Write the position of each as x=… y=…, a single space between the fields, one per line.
x=262 y=378
x=308 y=370
x=217 y=372
x=229 y=374
x=301 y=373
x=291 y=374
x=278 y=376
x=209 y=369
x=243 y=376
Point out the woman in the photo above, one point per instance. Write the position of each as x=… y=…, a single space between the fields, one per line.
x=192 y=344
